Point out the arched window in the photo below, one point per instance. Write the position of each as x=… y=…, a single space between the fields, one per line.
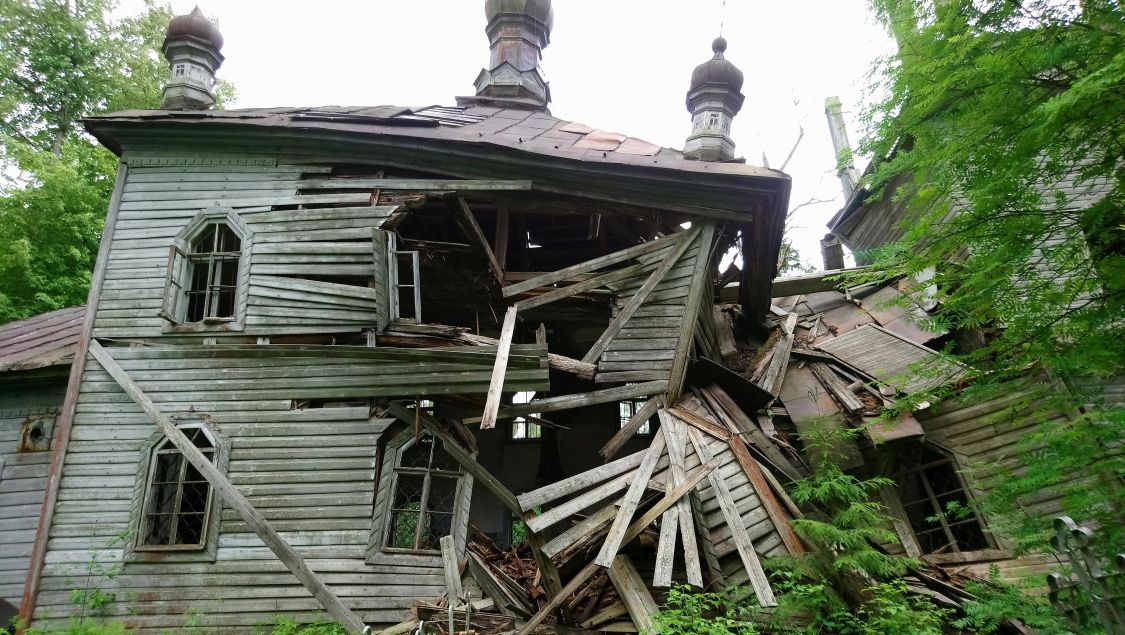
x=207 y=282
x=177 y=499
x=425 y=489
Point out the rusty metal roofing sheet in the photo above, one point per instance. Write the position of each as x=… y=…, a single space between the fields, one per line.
x=893 y=359
x=42 y=340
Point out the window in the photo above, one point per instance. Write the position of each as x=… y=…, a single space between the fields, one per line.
x=425 y=489
x=936 y=504
x=630 y=407
x=522 y=428
x=405 y=277
x=206 y=283
x=177 y=500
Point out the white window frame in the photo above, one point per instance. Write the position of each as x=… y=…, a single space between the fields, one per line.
x=394 y=284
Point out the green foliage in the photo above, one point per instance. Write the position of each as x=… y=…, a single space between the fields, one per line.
x=998 y=601
x=790 y=260
x=690 y=613
x=1007 y=121
x=59 y=62
x=320 y=627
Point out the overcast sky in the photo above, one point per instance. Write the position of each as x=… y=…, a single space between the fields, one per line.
x=617 y=65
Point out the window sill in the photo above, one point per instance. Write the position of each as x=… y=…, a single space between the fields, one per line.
x=965 y=557
x=231 y=326
x=170 y=555
x=405 y=557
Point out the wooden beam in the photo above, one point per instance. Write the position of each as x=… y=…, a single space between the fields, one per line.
x=582 y=287
x=774 y=510
x=632 y=498
x=677 y=458
x=231 y=495
x=496 y=385
x=583 y=501
x=451 y=569
x=464 y=217
x=810 y=283
x=580 y=530
x=750 y=561
x=633 y=593
x=635 y=302
x=581 y=400
x=589 y=266
x=500 y=242
x=459 y=454
x=451 y=185
x=702 y=424
x=614 y=445
x=775 y=372
x=634 y=530
x=578 y=482
x=701 y=288
x=557 y=362
x=739 y=423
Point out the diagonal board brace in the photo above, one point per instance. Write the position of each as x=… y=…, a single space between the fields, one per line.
x=677 y=460
x=230 y=494
x=614 y=539
x=496 y=386
x=687 y=239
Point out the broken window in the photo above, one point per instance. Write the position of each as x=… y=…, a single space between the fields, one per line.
x=425 y=489
x=404 y=282
x=936 y=503
x=205 y=266
x=522 y=427
x=630 y=407
x=177 y=500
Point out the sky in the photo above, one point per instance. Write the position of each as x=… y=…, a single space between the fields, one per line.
x=617 y=65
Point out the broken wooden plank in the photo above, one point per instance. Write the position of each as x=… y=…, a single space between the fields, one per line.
x=449 y=185
x=634 y=530
x=583 y=528
x=578 y=482
x=557 y=362
x=701 y=287
x=580 y=400
x=810 y=283
x=666 y=544
x=677 y=459
x=750 y=561
x=739 y=423
x=717 y=431
x=635 y=302
x=590 y=265
x=506 y=601
x=632 y=499
x=463 y=215
x=496 y=385
x=230 y=494
x=633 y=593
x=775 y=372
x=614 y=445
x=581 y=287
x=451 y=569
x=837 y=387
x=578 y=503
x=774 y=510
x=724 y=331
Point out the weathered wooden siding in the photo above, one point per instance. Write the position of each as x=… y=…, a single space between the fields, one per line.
x=984 y=437
x=296 y=237
x=23 y=478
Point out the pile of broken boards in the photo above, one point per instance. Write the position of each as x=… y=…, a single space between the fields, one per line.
x=701 y=505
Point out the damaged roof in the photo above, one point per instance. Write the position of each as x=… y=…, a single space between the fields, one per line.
x=44 y=340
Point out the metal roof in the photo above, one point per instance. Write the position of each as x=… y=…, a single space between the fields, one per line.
x=47 y=339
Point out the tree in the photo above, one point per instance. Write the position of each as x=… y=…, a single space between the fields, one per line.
x=1010 y=117
x=61 y=61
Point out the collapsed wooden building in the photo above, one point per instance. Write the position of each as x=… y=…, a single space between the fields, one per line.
x=334 y=356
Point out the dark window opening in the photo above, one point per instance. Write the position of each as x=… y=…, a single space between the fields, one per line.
x=213 y=274
x=425 y=492
x=628 y=409
x=178 y=498
x=936 y=504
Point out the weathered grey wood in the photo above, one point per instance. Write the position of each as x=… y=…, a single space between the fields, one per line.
x=686 y=240
x=578 y=482
x=832 y=382
x=750 y=561
x=558 y=362
x=452 y=571
x=632 y=498
x=450 y=185
x=739 y=423
x=231 y=495
x=581 y=400
x=633 y=593
x=724 y=331
x=775 y=372
x=613 y=446
x=500 y=246
x=496 y=384
x=677 y=460
x=468 y=222
x=578 y=503
x=580 y=530
x=809 y=283
x=588 y=266
x=901 y=522
x=506 y=603
x=634 y=530
x=701 y=289
x=459 y=454
x=582 y=287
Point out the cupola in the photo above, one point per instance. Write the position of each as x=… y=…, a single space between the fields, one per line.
x=713 y=100
x=518 y=31
x=191 y=46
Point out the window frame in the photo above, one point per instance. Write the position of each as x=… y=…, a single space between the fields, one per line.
x=394 y=284
x=135 y=549
x=525 y=420
x=180 y=268
x=377 y=550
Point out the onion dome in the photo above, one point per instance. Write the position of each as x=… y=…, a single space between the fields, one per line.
x=717 y=70
x=194 y=25
x=538 y=10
